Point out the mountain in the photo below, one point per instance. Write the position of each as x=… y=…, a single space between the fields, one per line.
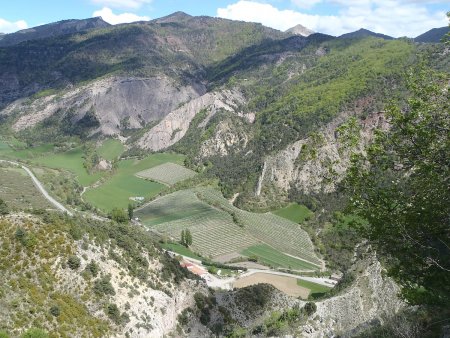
x=266 y=121
x=300 y=30
x=52 y=30
x=434 y=35
x=363 y=33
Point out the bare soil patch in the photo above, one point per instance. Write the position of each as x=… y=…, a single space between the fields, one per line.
x=288 y=285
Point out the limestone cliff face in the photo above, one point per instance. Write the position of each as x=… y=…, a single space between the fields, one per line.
x=368 y=300
x=118 y=103
x=227 y=136
x=325 y=164
x=372 y=297
x=175 y=125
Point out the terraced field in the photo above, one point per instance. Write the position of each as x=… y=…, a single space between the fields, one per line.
x=213 y=231
x=167 y=173
x=282 y=234
x=219 y=228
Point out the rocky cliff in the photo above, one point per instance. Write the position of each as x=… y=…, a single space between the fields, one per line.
x=258 y=310
x=117 y=102
x=319 y=162
x=175 y=125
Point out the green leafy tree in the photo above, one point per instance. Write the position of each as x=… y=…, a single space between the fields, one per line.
x=118 y=215
x=4 y=210
x=130 y=211
x=183 y=238
x=401 y=187
x=188 y=238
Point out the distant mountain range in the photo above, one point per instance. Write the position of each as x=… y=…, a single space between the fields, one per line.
x=63 y=27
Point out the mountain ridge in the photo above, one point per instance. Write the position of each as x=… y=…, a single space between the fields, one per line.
x=52 y=30
x=362 y=33
x=434 y=35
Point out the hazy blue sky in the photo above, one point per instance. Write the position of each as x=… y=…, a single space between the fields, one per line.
x=393 y=17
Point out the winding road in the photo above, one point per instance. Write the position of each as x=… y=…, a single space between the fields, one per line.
x=41 y=188
x=226 y=283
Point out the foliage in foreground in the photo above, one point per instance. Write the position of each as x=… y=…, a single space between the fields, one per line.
x=401 y=187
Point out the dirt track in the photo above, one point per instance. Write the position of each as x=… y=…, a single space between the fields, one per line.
x=283 y=283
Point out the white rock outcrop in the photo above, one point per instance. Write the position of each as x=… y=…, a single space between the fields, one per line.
x=175 y=125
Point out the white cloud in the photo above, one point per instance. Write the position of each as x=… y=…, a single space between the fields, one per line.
x=129 y=4
x=391 y=17
x=10 y=27
x=114 y=19
x=305 y=3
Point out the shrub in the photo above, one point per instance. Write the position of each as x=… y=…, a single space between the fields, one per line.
x=310 y=308
x=103 y=286
x=3 y=334
x=73 y=262
x=4 y=210
x=54 y=311
x=35 y=333
x=113 y=313
x=92 y=268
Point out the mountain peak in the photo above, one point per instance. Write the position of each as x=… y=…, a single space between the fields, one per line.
x=363 y=33
x=300 y=30
x=174 y=17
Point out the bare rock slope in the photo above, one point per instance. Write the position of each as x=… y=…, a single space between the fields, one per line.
x=175 y=125
x=319 y=162
x=117 y=103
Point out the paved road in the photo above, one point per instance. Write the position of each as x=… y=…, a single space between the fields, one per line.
x=41 y=188
x=227 y=282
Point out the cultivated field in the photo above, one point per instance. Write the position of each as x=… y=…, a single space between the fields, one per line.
x=214 y=232
x=167 y=173
x=219 y=228
x=276 y=259
x=285 y=284
x=281 y=234
x=116 y=190
x=18 y=190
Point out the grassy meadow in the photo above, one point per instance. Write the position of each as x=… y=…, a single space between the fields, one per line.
x=111 y=149
x=294 y=212
x=317 y=290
